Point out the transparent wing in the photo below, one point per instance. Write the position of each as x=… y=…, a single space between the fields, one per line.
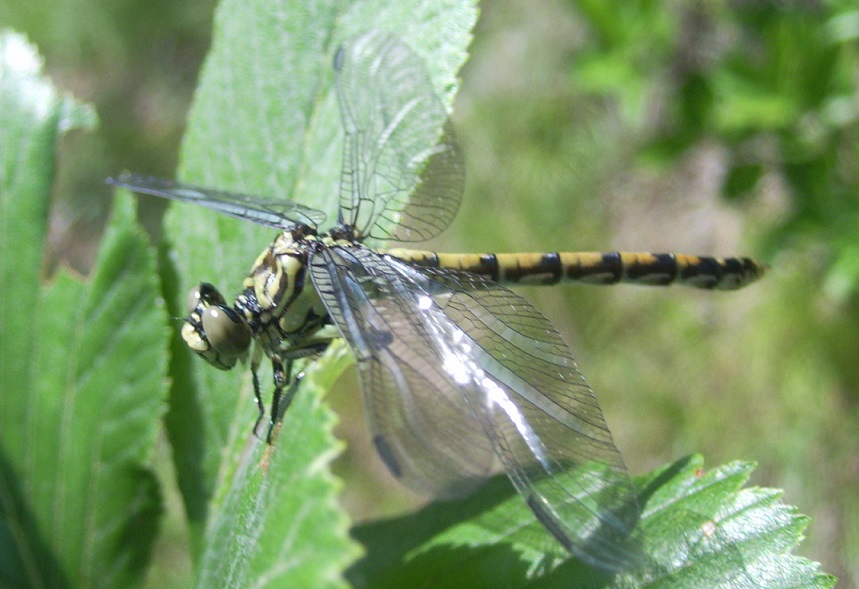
x=421 y=424
x=455 y=368
x=403 y=171
x=280 y=215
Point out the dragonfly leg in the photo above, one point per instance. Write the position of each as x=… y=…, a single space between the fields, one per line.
x=255 y=362
x=281 y=401
x=282 y=377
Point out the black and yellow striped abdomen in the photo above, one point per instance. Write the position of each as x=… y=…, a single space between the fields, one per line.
x=596 y=267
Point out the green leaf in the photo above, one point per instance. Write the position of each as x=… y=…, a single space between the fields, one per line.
x=698 y=529
x=265 y=121
x=276 y=526
x=81 y=367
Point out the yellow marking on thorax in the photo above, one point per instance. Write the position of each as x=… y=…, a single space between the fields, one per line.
x=295 y=318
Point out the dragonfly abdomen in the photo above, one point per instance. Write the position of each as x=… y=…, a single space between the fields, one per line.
x=596 y=268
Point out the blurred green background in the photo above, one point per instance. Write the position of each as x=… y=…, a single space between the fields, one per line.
x=702 y=127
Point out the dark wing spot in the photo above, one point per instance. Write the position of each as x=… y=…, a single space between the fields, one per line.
x=549 y=522
x=387 y=455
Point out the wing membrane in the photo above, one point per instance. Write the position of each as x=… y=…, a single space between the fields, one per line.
x=421 y=424
x=485 y=373
x=280 y=215
x=398 y=152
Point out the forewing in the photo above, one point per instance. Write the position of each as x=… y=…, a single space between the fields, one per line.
x=280 y=215
x=403 y=171
x=463 y=363
x=421 y=424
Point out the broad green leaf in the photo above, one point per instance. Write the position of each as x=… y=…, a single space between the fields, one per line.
x=272 y=529
x=265 y=121
x=82 y=380
x=699 y=529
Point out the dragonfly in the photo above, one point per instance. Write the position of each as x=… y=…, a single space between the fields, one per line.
x=458 y=373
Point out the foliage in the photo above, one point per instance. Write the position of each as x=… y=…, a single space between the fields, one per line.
x=699 y=529
x=83 y=364
x=776 y=88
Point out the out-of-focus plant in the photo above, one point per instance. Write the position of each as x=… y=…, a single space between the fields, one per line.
x=773 y=84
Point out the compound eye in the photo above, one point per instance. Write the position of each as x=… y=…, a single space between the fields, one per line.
x=225 y=330
x=205 y=294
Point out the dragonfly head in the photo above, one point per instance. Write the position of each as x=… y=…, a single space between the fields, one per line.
x=214 y=330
